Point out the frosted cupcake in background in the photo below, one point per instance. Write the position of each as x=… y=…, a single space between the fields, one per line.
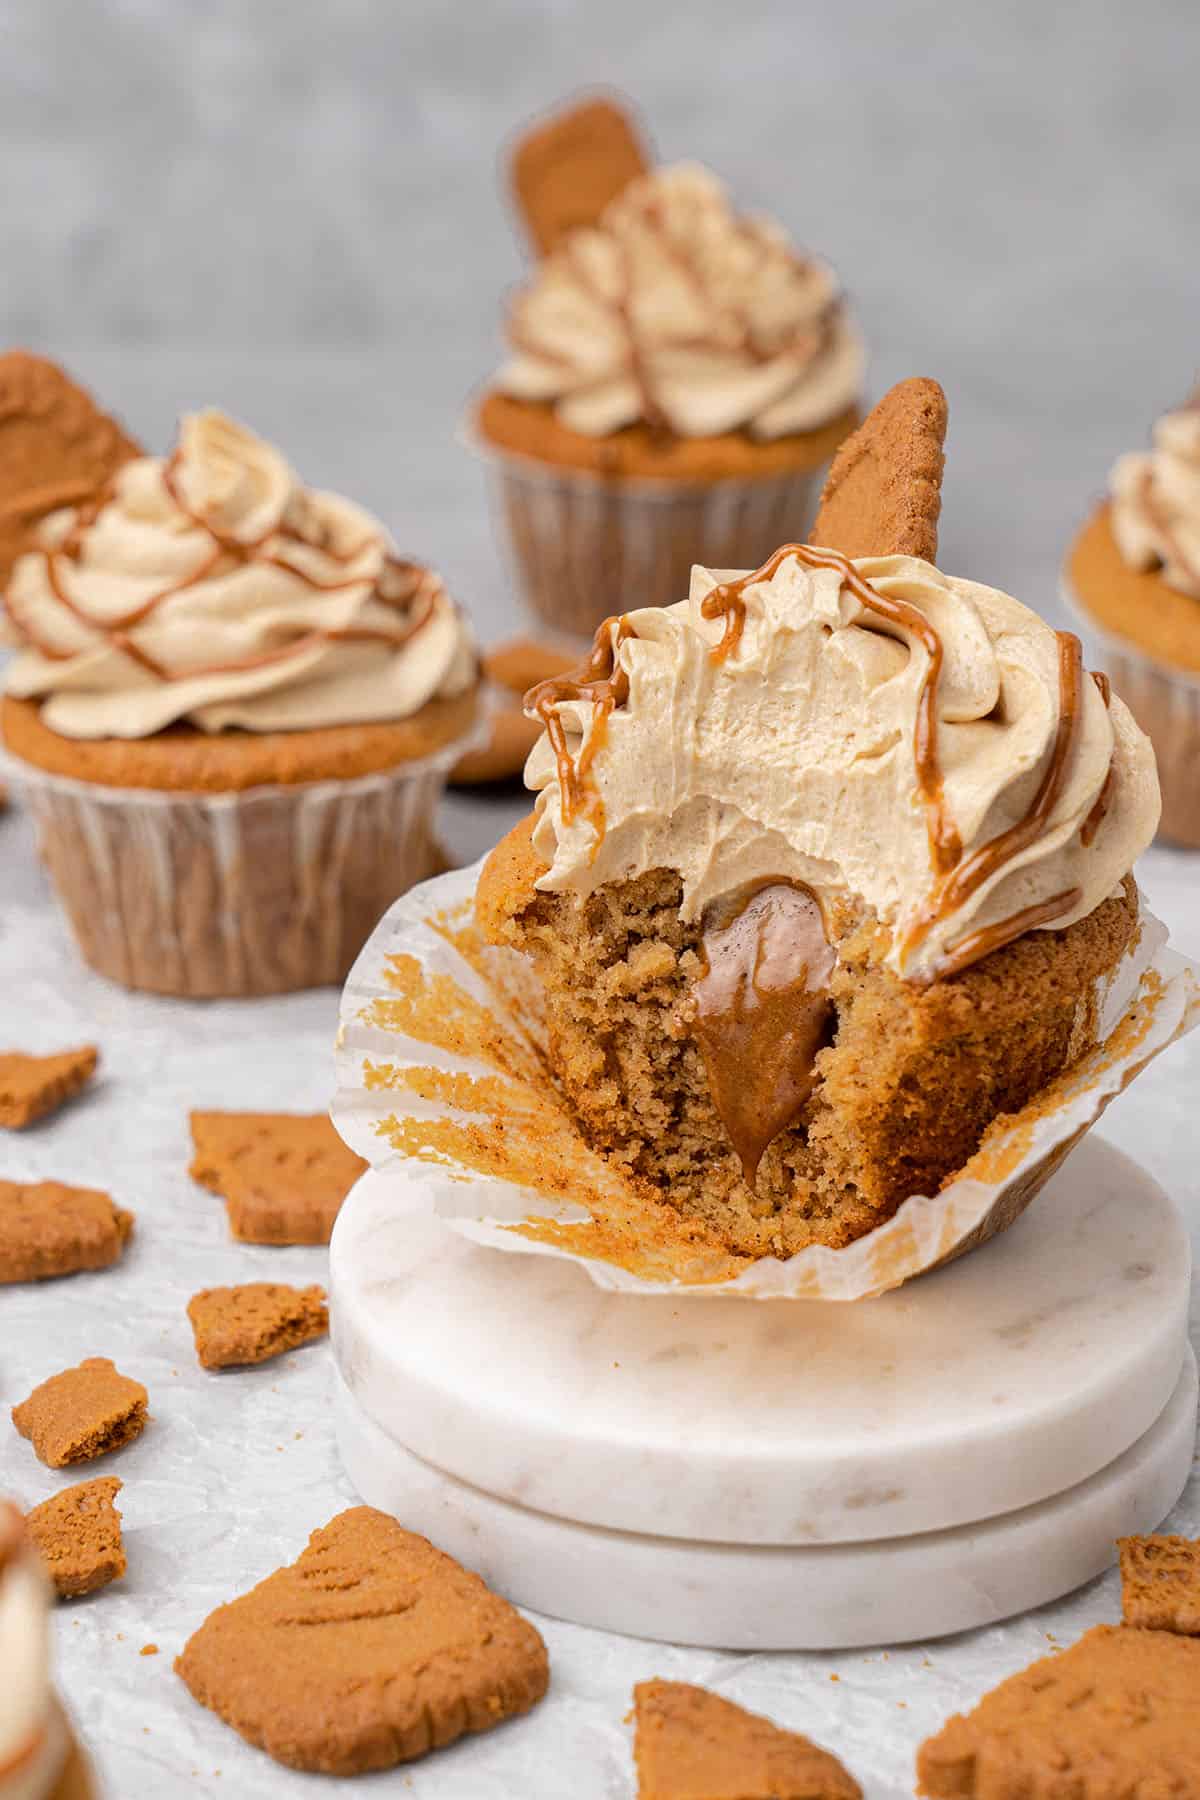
x=679 y=375
x=39 y=1758
x=232 y=711
x=1134 y=575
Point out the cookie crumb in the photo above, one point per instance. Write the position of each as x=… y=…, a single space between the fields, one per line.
x=1160 y=1583
x=234 y=1326
x=78 y=1536
x=82 y=1413
x=148 y=1650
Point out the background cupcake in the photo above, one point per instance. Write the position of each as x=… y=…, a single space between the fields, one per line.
x=232 y=711
x=679 y=374
x=1134 y=573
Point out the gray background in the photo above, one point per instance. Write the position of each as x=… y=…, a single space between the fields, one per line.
x=296 y=209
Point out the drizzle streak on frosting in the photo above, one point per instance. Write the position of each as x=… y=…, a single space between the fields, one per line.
x=602 y=681
x=763 y=1010
x=1103 y=800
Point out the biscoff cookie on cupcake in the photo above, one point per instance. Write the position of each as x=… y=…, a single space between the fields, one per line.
x=1133 y=573
x=678 y=374
x=829 y=863
x=232 y=711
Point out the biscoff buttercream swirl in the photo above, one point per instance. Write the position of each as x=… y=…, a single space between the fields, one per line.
x=212 y=587
x=1156 y=502
x=874 y=730
x=674 y=311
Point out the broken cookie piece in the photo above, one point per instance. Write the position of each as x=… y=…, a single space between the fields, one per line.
x=373 y=1648
x=283 y=1176
x=82 y=1413
x=32 y=1086
x=253 y=1322
x=49 y=1229
x=78 y=1536
x=691 y=1744
x=1160 y=1584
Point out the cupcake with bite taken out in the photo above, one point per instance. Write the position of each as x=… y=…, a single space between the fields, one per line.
x=1133 y=574
x=232 y=711
x=678 y=375
x=829 y=868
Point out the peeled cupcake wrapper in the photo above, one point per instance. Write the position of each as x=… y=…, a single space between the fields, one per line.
x=444 y=1087
x=204 y=895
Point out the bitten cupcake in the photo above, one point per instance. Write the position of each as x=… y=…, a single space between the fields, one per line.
x=232 y=711
x=678 y=375
x=829 y=866
x=1134 y=574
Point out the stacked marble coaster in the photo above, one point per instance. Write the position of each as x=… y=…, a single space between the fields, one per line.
x=774 y=1474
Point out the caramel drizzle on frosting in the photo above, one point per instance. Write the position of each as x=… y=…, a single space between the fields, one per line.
x=603 y=682
x=727 y=601
x=417 y=589
x=816 y=339
x=1103 y=800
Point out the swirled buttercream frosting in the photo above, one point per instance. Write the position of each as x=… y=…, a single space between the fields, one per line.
x=873 y=730
x=212 y=587
x=1156 y=502
x=675 y=311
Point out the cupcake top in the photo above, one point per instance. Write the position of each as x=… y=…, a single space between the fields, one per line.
x=678 y=313
x=32 y=1743
x=1156 y=502
x=874 y=730
x=211 y=587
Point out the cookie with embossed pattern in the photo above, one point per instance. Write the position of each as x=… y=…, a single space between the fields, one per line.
x=884 y=492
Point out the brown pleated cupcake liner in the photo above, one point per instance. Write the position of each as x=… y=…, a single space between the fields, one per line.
x=216 y=895
x=444 y=1085
x=1166 y=704
x=585 y=548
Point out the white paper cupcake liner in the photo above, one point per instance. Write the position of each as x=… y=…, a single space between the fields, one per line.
x=259 y=892
x=585 y=547
x=443 y=1085
x=1166 y=704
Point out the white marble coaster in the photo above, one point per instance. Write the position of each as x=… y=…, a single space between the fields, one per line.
x=1006 y=1378
x=748 y=1597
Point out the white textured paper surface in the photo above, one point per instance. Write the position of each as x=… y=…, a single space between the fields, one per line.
x=221 y=1490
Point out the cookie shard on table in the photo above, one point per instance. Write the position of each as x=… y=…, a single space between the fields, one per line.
x=566 y=169
x=255 y=1321
x=691 y=1744
x=77 y=1533
x=511 y=669
x=883 y=496
x=1116 y=1714
x=1160 y=1583
x=372 y=1649
x=82 y=1413
x=32 y=1086
x=56 y=448
x=48 y=1228
x=283 y=1176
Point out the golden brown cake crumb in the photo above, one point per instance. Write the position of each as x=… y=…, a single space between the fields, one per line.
x=253 y=1322
x=566 y=169
x=283 y=1176
x=82 y=1413
x=1134 y=604
x=32 y=1086
x=906 y=1088
x=56 y=449
x=78 y=1536
x=694 y=1745
x=372 y=1649
x=1160 y=1583
x=884 y=492
x=49 y=1229
x=1114 y=1715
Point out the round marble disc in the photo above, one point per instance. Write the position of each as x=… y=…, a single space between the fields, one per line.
x=754 y=1597
x=1000 y=1380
